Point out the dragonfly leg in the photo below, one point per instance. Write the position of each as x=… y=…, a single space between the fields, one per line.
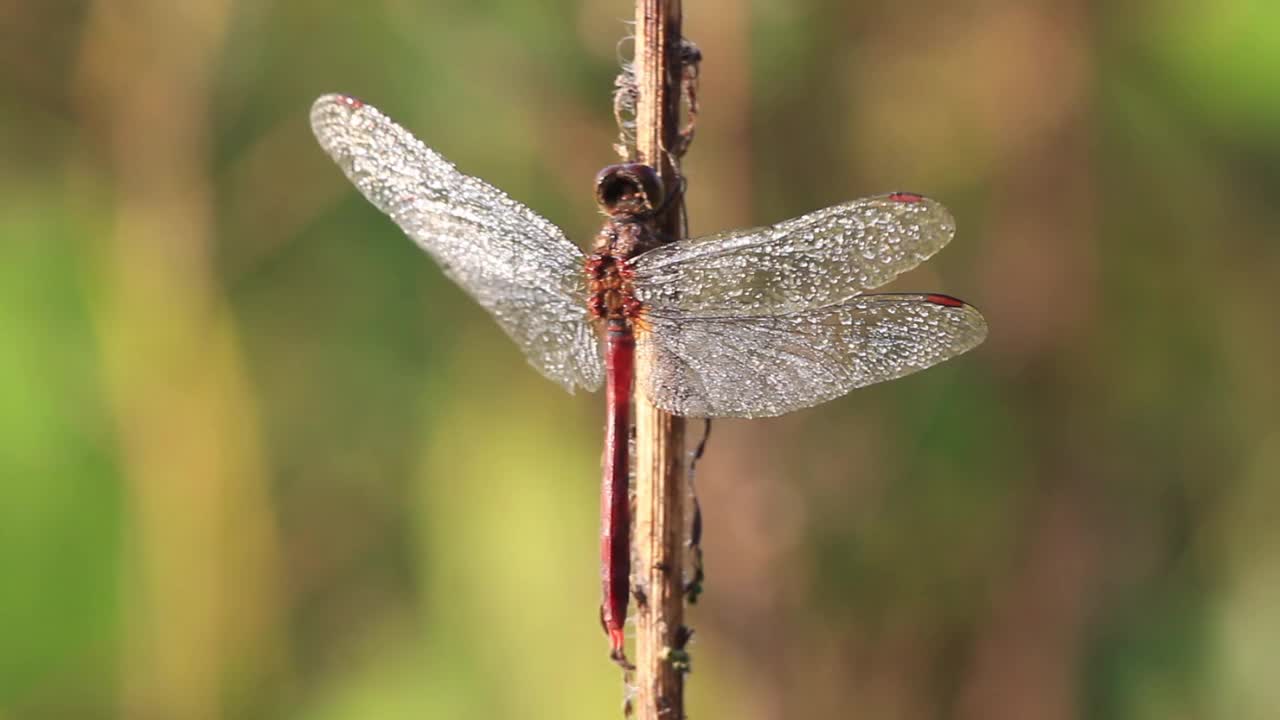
x=693 y=588
x=676 y=195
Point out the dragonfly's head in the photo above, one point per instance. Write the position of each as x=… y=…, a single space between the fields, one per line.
x=631 y=190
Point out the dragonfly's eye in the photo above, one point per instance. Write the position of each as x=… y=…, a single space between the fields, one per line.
x=630 y=189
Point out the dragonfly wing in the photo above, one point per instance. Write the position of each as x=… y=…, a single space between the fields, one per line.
x=515 y=263
x=819 y=259
x=765 y=366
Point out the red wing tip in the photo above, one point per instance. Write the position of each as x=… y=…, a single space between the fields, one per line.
x=354 y=103
x=945 y=300
x=906 y=197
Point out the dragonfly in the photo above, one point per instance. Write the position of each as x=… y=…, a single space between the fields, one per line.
x=746 y=323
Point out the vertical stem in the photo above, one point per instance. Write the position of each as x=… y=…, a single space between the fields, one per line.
x=202 y=598
x=659 y=501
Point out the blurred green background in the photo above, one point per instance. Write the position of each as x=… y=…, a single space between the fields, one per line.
x=260 y=460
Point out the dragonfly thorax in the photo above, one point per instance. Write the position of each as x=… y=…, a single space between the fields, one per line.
x=609 y=282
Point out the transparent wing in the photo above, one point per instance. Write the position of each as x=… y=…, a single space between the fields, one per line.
x=820 y=259
x=516 y=264
x=765 y=366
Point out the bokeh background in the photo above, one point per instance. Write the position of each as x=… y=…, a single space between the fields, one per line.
x=259 y=459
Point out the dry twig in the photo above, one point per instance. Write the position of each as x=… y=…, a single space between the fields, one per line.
x=661 y=662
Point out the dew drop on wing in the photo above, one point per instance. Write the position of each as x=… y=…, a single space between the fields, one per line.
x=515 y=263
x=769 y=365
x=816 y=260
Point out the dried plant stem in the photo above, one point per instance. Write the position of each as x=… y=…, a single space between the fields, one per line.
x=659 y=489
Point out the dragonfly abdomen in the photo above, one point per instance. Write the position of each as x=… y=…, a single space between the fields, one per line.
x=615 y=500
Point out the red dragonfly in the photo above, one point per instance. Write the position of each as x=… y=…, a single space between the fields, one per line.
x=745 y=323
